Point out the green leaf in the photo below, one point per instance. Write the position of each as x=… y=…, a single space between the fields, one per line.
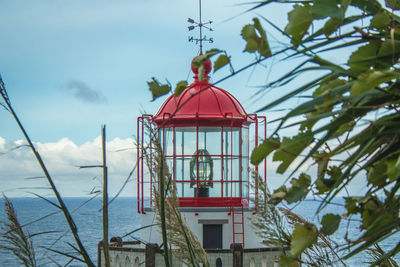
x=365 y=57
x=290 y=149
x=393 y=168
x=158 y=89
x=377 y=174
x=370 y=80
x=393 y=4
x=331 y=26
x=369 y=6
x=300 y=19
x=299 y=189
x=263 y=46
x=287 y=261
x=389 y=53
x=371 y=210
x=352 y=205
x=330 y=223
x=324 y=185
x=304 y=235
x=380 y=20
x=278 y=195
x=263 y=150
x=200 y=59
x=212 y=52
x=251 y=46
x=180 y=87
x=249 y=32
x=221 y=61
x=325 y=88
x=256 y=38
x=327 y=8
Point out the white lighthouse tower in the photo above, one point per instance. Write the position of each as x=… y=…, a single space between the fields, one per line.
x=206 y=137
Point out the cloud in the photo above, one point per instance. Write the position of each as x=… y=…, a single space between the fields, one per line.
x=20 y=172
x=83 y=92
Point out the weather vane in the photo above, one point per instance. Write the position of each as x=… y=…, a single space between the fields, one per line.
x=200 y=25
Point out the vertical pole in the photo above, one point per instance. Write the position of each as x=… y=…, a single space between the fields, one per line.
x=231 y=160
x=141 y=166
x=173 y=154
x=197 y=158
x=226 y=163
x=265 y=160
x=237 y=254
x=151 y=163
x=138 y=163
x=240 y=164
x=183 y=163
x=222 y=161
x=162 y=191
x=151 y=250
x=256 y=181
x=105 y=200
x=201 y=26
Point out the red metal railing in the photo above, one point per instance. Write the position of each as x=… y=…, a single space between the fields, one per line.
x=237 y=160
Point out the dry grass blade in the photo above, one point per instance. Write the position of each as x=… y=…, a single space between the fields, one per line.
x=322 y=252
x=181 y=239
x=376 y=254
x=276 y=224
x=15 y=239
x=50 y=180
x=267 y=221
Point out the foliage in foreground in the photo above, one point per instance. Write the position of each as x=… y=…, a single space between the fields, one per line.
x=178 y=239
x=60 y=205
x=282 y=228
x=14 y=239
x=348 y=126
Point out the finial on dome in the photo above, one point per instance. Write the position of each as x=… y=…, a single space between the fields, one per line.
x=207 y=66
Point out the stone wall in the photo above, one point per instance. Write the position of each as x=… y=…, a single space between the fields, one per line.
x=129 y=254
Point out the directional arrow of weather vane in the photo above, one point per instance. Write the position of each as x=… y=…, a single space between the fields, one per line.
x=200 y=25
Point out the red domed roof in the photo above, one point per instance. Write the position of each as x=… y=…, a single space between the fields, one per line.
x=204 y=104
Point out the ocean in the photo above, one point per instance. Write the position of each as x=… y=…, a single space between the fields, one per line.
x=123 y=219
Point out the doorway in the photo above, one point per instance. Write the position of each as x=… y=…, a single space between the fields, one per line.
x=212 y=236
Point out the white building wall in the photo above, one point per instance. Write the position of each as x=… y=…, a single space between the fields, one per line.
x=153 y=235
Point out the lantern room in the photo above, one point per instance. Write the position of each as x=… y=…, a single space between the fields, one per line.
x=206 y=137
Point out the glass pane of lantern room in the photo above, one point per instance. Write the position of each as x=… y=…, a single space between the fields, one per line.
x=245 y=161
x=187 y=144
x=215 y=190
x=232 y=161
x=166 y=136
x=210 y=139
x=182 y=177
x=231 y=142
x=185 y=147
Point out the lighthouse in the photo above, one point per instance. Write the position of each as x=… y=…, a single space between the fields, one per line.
x=206 y=137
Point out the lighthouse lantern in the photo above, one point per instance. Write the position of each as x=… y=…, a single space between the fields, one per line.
x=204 y=134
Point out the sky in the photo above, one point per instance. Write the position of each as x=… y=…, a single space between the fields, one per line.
x=71 y=66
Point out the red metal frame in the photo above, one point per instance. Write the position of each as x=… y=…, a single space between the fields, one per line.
x=229 y=200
